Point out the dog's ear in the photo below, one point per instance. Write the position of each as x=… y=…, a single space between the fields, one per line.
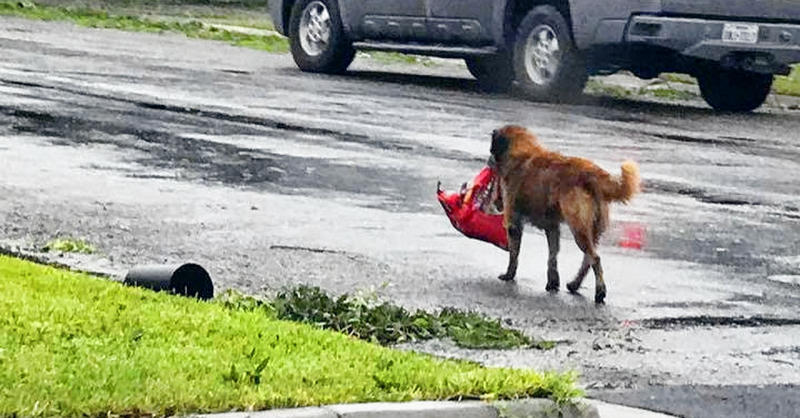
x=499 y=144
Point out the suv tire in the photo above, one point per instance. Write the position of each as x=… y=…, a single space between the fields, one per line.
x=316 y=38
x=547 y=65
x=495 y=73
x=734 y=91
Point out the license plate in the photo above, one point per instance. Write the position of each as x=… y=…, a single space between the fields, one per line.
x=741 y=33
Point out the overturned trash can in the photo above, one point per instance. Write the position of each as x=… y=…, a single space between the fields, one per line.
x=182 y=279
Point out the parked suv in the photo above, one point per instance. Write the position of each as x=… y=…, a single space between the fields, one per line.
x=548 y=48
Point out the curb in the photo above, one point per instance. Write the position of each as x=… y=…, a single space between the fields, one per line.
x=57 y=260
x=610 y=410
x=525 y=408
x=529 y=408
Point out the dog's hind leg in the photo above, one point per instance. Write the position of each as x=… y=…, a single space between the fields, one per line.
x=590 y=259
x=599 y=283
x=553 y=241
x=578 y=210
x=601 y=222
x=575 y=284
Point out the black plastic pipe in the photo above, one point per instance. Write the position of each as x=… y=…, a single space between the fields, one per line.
x=183 y=279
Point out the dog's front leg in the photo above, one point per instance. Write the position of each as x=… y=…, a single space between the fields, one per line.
x=553 y=242
x=514 y=231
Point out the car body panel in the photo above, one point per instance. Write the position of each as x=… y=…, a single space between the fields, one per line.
x=691 y=27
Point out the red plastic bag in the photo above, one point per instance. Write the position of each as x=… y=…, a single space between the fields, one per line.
x=477 y=210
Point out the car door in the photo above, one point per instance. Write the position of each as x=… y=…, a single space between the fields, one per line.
x=394 y=20
x=462 y=21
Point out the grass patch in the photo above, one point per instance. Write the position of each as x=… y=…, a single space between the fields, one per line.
x=252 y=14
x=74 y=345
x=599 y=88
x=678 y=78
x=243 y=21
x=69 y=245
x=398 y=58
x=788 y=85
x=94 y=18
x=364 y=316
x=248 y=4
x=669 y=93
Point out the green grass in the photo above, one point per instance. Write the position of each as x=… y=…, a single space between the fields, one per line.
x=73 y=345
x=398 y=58
x=788 y=85
x=669 y=93
x=678 y=78
x=248 y=13
x=597 y=87
x=243 y=21
x=250 y=4
x=101 y=19
x=69 y=245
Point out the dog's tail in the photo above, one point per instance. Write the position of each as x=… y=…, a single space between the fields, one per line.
x=624 y=187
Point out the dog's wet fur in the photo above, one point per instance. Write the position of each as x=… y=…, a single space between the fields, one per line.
x=545 y=188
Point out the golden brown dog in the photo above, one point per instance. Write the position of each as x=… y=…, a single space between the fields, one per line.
x=546 y=188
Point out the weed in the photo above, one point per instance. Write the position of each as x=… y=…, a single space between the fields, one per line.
x=369 y=319
x=383 y=324
x=472 y=330
x=669 y=93
x=232 y=299
x=69 y=245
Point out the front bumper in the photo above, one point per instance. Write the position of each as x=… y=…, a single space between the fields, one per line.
x=778 y=44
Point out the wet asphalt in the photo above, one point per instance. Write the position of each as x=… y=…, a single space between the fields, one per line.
x=160 y=149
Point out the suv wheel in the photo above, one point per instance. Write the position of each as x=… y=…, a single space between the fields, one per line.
x=316 y=38
x=494 y=73
x=734 y=91
x=546 y=63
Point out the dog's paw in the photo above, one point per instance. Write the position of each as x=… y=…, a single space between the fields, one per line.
x=553 y=281
x=600 y=296
x=573 y=287
x=506 y=277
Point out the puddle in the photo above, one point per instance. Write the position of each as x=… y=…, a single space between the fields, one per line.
x=791 y=279
x=717 y=321
x=201 y=159
x=699 y=194
x=692 y=139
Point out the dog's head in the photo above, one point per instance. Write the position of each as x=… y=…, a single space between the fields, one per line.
x=504 y=140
